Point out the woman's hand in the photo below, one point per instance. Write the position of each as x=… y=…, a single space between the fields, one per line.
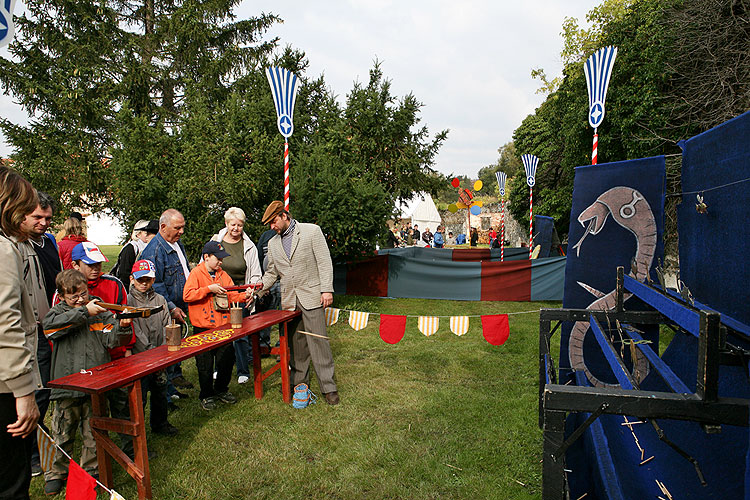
x=216 y=288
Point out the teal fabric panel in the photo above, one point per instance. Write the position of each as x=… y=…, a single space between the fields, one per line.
x=339 y=279
x=548 y=278
x=433 y=279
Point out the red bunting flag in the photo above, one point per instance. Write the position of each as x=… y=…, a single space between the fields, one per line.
x=81 y=486
x=392 y=328
x=495 y=328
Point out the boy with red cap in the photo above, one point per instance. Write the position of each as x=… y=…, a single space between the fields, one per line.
x=149 y=333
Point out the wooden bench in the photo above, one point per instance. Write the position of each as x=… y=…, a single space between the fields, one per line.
x=127 y=372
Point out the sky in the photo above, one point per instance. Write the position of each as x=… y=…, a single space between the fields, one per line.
x=469 y=62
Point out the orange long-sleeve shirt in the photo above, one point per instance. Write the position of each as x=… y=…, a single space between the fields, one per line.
x=200 y=299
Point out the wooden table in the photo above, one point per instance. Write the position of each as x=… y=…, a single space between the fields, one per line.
x=127 y=372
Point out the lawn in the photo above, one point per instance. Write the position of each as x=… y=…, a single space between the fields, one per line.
x=427 y=418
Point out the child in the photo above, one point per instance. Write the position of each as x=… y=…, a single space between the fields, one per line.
x=204 y=281
x=149 y=333
x=81 y=332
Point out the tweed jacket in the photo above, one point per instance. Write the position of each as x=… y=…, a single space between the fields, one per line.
x=304 y=275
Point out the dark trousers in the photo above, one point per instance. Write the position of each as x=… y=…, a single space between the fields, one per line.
x=15 y=465
x=44 y=360
x=156 y=384
x=222 y=360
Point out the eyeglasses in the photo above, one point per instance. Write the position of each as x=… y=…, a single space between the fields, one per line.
x=77 y=297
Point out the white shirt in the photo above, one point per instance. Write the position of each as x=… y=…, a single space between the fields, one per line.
x=181 y=256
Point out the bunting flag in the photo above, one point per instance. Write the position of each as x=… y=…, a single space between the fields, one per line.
x=392 y=328
x=46 y=448
x=81 y=486
x=115 y=496
x=332 y=316
x=459 y=324
x=495 y=328
x=428 y=324
x=358 y=319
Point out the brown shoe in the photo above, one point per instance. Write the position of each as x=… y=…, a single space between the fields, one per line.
x=182 y=383
x=332 y=398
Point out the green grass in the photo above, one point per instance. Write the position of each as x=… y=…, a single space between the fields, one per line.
x=111 y=252
x=427 y=418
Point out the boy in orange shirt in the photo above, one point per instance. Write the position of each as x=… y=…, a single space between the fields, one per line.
x=204 y=281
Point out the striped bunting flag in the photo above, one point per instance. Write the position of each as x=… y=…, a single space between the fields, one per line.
x=358 y=319
x=46 y=448
x=428 y=324
x=459 y=324
x=332 y=316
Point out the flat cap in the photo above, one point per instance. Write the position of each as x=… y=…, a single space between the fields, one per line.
x=274 y=208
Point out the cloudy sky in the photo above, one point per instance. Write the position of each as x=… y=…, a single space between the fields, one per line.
x=468 y=62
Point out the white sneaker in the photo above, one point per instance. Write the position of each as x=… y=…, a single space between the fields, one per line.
x=215 y=374
x=242 y=379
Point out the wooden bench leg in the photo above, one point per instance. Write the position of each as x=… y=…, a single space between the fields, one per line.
x=257 y=373
x=135 y=399
x=286 y=392
x=99 y=409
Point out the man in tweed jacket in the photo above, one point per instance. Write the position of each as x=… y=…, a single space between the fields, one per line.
x=299 y=256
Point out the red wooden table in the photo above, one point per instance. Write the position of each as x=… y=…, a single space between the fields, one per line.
x=127 y=372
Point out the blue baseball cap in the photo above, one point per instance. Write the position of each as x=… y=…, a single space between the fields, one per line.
x=215 y=248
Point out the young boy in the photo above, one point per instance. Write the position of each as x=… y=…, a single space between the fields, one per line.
x=204 y=281
x=149 y=333
x=81 y=333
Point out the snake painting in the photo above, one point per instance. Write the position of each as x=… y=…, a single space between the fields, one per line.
x=628 y=208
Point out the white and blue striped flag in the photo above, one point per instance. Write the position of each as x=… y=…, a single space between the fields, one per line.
x=529 y=164
x=598 y=69
x=284 y=85
x=501 y=178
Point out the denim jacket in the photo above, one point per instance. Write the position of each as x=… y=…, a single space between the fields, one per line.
x=170 y=276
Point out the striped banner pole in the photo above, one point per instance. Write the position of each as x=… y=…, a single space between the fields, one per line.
x=284 y=85
x=594 y=152
x=502 y=232
x=530 y=163
x=286 y=175
x=531 y=221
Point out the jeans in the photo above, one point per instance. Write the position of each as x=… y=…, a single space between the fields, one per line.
x=221 y=359
x=44 y=360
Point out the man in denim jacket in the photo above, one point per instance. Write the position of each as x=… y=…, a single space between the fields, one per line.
x=168 y=254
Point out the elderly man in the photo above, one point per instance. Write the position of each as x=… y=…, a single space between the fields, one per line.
x=299 y=256
x=166 y=251
x=40 y=257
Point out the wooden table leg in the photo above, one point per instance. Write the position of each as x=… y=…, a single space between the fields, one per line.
x=135 y=399
x=257 y=373
x=99 y=409
x=286 y=392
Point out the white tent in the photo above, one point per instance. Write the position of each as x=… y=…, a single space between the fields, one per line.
x=426 y=214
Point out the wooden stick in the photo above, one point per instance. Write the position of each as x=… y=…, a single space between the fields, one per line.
x=452 y=466
x=312 y=334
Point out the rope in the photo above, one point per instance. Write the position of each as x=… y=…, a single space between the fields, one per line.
x=450 y=316
x=701 y=191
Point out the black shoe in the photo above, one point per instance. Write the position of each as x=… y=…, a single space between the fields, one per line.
x=180 y=395
x=181 y=382
x=36 y=469
x=166 y=429
x=151 y=455
x=53 y=487
x=172 y=407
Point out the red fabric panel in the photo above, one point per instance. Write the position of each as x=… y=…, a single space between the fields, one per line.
x=81 y=486
x=368 y=277
x=495 y=328
x=510 y=280
x=471 y=254
x=392 y=328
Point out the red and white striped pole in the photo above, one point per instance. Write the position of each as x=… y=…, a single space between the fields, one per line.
x=531 y=221
x=502 y=233
x=595 y=147
x=286 y=176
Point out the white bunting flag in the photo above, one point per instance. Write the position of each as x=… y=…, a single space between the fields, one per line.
x=46 y=448
x=116 y=496
x=332 y=316
x=358 y=319
x=459 y=324
x=428 y=324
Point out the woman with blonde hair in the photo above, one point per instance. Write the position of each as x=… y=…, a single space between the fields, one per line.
x=19 y=375
x=243 y=267
x=73 y=233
